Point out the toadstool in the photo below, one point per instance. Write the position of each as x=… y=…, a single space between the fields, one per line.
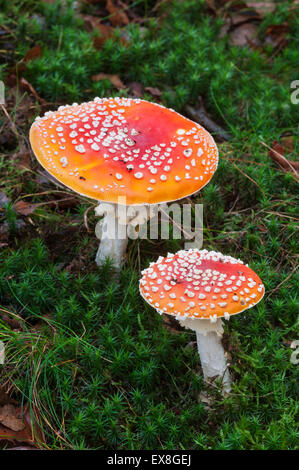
x=199 y=288
x=128 y=150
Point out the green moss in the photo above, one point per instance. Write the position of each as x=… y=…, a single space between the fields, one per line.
x=91 y=352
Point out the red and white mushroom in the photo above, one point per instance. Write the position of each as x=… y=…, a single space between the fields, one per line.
x=199 y=288
x=120 y=149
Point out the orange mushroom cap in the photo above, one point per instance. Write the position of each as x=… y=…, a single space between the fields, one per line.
x=114 y=147
x=200 y=284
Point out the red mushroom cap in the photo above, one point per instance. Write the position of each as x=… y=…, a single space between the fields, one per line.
x=200 y=284
x=114 y=147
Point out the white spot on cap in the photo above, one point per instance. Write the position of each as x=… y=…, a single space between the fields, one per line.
x=187 y=152
x=95 y=146
x=64 y=161
x=80 y=148
x=130 y=142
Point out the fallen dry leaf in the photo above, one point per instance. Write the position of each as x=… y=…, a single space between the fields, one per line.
x=24 y=208
x=106 y=33
x=12 y=322
x=243 y=17
x=276 y=153
x=262 y=8
x=154 y=91
x=16 y=425
x=11 y=417
x=33 y=53
x=93 y=23
x=236 y=14
x=24 y=431
x=118 y=16
x=244 y=35
x=136 y=89
x=7 y=434
x=114 y=79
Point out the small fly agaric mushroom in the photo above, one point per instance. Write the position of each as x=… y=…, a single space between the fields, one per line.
x=199 y=288
x=114 y=149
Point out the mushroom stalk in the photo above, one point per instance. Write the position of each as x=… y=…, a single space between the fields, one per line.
x=113 y=236
x=212 y=355
x=118 y=224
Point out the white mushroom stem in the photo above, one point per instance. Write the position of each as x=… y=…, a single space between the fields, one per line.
x=210 y=350
x=118 y=223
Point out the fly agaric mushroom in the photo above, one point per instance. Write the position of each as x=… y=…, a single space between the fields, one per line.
x=199 y=288
x=114 y=148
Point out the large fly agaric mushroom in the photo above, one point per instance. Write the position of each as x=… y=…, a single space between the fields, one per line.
x=199 y=288
x=120 y=149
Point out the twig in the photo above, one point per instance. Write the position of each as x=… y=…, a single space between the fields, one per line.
x=200 y=115
x=283 y=162
x=13 y=126
x=85 y=218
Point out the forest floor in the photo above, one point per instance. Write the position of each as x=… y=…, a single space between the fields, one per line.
x=88 y=364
